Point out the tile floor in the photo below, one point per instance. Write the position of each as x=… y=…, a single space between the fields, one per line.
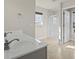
x=57 y=51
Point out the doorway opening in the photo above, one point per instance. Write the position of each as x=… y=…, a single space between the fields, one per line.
x=69 y=26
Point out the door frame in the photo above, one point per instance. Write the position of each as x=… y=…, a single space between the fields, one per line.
x=62 y=21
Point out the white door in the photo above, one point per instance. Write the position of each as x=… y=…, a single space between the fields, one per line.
x=66 y=26
x=53 y=27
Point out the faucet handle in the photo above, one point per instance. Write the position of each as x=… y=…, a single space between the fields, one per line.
x=6 y=45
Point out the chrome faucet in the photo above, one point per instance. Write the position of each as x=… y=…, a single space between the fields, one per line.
x=6 y=44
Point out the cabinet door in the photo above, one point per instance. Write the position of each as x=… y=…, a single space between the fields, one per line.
x=38 y=54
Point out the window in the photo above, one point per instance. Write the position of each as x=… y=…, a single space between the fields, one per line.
x=38 y=18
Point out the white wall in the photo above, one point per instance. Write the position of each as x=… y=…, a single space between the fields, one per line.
x=68 y=4
x=25 y=21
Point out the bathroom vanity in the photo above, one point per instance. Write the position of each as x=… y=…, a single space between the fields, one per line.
x=26 y=48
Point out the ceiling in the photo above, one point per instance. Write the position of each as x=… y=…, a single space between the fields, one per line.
x=50 y=4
